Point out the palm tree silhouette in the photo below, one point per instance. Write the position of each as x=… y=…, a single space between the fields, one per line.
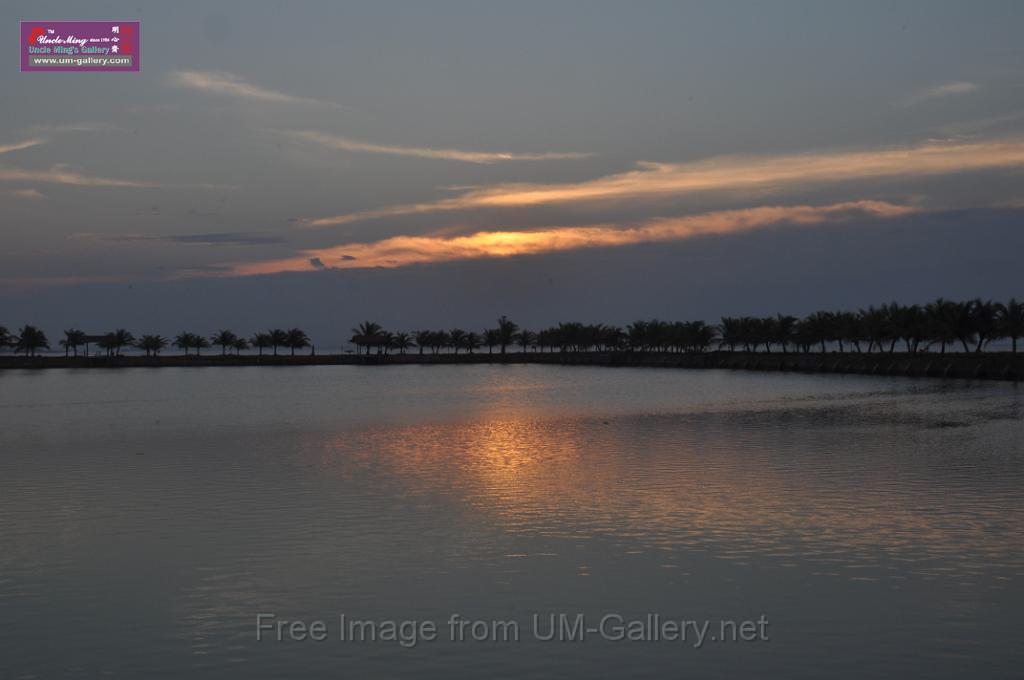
x=184 y=341
x=525 y=339
x=422 y=339
x=401 y=342
x=506 y=331
x=121 y=338
x=73 y=339
x=471 y=342
x=225 y=339
x=200 y=343
x=941 y=316
x=984 y=321
x=261 y=341
x=491 y=338
x=457 y=337
x=1011 y=321
x=366 y=335
x=240 y=345
x=152 y=344
x=30 y=340
x=5 y=338
x=296 y=339
x=278 y=338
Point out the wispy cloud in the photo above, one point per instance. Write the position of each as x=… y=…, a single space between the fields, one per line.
x=31 y=194
x=728 y=173
x=214 y=239
x=224 y=83
x=85 y=126
x=58 y=174
x=482 y=157
x=18 y=146
x=400 y=251
x=937 y=92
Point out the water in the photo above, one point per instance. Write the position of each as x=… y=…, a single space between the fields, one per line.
x=148 y=515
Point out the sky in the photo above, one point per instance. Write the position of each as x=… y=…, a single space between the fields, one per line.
x=439 y=164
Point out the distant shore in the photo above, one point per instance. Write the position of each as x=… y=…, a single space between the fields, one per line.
x=987 y=365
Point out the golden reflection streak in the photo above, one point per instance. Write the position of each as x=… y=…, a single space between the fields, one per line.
x=579 y=479
x=399 y=251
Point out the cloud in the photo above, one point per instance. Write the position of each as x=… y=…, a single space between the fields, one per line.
x=727 y=173
x=59 y=175
x=317 y=263
x=76 y=127
x=482 y=157
x=222 y=82
x=215 y=239
x=31 y=194
x=937 y=92
x=18 y=146
x=405 y=250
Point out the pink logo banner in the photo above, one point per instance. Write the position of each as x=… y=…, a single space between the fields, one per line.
x=80 y=46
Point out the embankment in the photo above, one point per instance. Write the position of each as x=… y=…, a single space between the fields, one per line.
x=987 y=366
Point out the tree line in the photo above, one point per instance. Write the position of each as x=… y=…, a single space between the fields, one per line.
x=970 y=326
x=31 y=341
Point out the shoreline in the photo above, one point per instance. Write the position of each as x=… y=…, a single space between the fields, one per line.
x=986 y=366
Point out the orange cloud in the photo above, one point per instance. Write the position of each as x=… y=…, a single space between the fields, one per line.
x=765 y=173
x=18 y=146
x=58 y=174
x=399 y=251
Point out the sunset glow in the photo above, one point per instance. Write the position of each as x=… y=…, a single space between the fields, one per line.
x=726 y=173
x=400 y=251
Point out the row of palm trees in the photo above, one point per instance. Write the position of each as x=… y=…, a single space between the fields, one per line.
x=970 y=325
x=370 y=336
x=31 y=341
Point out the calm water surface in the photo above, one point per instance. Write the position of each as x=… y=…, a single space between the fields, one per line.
x=147 y=517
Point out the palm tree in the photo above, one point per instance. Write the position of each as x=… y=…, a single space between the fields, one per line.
x=184 y=341
x=278 y=338
x=423 y=339
x=296 y=339
x=261 y=341
x=1011 y=321
x=401 y=342
x=940 y=318
x=113 y=342
x=818 y=328
x=984 y=317
x=731 y=332
x=240 y=345
x=457 y=337
x=962 y=323
x=526 y=338
x=491 y=338
x=122 y=338
x=5 y=338
x=225 y=339
x=506 y=331
x=783 y=328
x=73 y=339
x=30 y=340
x=200 y=343
x=152 y=344
x=365 y=334
x=471 y=342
